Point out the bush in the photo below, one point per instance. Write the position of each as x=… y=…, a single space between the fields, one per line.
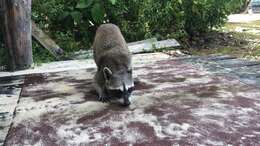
x=202 y=15
x=78 y=19
x=238 y=6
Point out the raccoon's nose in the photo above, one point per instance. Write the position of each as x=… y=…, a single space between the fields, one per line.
x=126 y=100
x=127 y=103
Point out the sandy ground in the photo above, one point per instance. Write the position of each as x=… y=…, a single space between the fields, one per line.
x=243 y=18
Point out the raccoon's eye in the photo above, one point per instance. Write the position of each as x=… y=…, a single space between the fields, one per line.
x=129 y=71
x=130 y=90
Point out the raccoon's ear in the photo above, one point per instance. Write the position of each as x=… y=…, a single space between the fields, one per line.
x=107 y=73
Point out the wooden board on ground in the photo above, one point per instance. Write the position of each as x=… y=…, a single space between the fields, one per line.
x=151 y=40
x=148 y=45
x=46 y=41
x=151 y=46
x=10 y=90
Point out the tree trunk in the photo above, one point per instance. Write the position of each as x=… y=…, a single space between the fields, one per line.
x=245 y=7
x=17 y=32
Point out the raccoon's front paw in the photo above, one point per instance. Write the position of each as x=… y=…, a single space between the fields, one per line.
x=104 y=99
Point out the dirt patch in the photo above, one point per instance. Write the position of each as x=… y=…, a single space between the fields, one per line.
x=236 y=39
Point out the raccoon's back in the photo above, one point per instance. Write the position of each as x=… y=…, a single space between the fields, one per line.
x=109 y=41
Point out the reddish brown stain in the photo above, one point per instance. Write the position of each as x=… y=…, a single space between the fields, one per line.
x=205 y=91
x=34 y=79
x=239 y=101
x=142 y=85
x=90 y=118
x=148 y=132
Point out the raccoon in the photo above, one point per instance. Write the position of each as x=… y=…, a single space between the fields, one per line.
x=113 y=79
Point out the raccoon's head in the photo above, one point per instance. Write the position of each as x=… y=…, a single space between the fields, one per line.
x=119 y=84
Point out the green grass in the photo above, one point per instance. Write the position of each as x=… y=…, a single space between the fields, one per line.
x=233 y=26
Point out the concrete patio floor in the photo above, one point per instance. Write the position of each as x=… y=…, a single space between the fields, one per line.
x=212 y=100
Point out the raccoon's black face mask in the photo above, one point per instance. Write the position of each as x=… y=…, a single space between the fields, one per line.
x=119 y=85
x=123 y=95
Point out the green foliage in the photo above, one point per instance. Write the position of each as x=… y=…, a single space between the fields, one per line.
x=237 y=6
x=84 y=4
x=40 y=54
x=164 y=19
x=72 y=23
x=202 y=15
x=137 y=19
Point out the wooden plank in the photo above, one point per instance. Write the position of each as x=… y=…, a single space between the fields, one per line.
x=151 y=40
x=60 y=66
x=10 y=90
x=83 y=54
x=11 y=81
x=46 y=41
x=17 y=32
x=149 y=47
x=9 y=96
x=166 y=43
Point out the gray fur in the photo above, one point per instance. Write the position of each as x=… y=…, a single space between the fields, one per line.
x=113 y=60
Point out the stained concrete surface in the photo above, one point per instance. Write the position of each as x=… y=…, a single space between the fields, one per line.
x=177 y=101
x=10 y=89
